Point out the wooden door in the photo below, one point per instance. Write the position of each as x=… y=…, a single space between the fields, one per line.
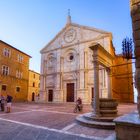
x=70 y=92
x=33 y=96
x=50 y=98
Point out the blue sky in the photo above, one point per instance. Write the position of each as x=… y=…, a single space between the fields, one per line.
x=30 y=24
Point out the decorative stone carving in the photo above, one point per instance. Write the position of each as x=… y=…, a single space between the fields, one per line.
x=70 y=35
x=71 y=76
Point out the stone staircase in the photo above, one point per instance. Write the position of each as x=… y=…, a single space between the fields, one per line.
x=108 y=112
x=100 y=122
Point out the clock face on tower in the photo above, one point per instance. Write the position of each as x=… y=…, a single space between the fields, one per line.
x=69 y=35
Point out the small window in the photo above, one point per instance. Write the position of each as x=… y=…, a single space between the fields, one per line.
x=5 y=70
x=33 y=84
x=6 y=52
x=17 y=89
x=34 y=75
x=4 y=87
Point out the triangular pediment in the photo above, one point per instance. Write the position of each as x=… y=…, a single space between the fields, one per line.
x=73 y=33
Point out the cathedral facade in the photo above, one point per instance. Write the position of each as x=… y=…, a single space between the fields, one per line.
x=67 y=69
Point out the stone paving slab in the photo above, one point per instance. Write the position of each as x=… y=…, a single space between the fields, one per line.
x=13 y=131
x=47 y=119
x=91 y=131
x=33 y=121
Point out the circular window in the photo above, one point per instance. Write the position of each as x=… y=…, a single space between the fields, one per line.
x=71 y=57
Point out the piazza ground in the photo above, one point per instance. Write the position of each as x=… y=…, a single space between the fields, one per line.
x=32 y=121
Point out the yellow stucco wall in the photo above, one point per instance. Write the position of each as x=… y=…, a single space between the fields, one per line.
x=34 y=77
x=122 y=79
x=11 y=81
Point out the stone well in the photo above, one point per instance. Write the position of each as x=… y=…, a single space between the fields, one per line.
x=108 y=107
x=108 y=111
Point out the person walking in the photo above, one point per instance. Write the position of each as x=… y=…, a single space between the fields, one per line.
x=9 y=103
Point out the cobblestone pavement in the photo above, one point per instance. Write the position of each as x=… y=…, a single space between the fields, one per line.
x=31 y=121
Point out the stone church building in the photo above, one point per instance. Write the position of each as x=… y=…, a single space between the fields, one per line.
x=67 y=66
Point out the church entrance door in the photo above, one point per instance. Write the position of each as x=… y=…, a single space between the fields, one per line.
x=70 y=92
x=50 y=98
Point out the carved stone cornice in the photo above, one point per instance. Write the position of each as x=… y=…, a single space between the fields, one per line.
x=101 y=55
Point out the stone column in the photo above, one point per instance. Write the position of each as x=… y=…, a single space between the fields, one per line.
x=109 y=83
x=135 y=14
x=96 y=103
x=96 y=111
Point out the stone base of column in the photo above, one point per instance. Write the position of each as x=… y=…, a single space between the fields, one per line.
x=128 y=127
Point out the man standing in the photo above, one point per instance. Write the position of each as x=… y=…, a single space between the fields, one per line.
x=9 y=103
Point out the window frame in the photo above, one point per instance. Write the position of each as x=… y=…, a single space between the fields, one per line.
x=5 y=70
x=18 y=89
x=33 y=84
x=19 y=74
x=3 y=86
x=20 y=58
x=7 y=52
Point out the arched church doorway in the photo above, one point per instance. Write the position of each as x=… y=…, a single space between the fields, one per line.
x=50 y=96
x=33 y=96
x=70 y=92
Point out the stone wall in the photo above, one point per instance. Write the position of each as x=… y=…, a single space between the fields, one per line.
x=135 y=14
x=122 y=86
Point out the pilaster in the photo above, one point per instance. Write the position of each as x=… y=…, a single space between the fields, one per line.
x=109 y=83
